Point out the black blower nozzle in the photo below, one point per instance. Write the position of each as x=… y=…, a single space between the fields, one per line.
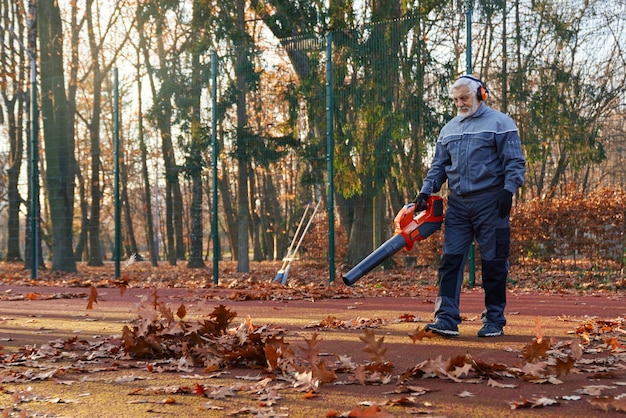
x=389 y=248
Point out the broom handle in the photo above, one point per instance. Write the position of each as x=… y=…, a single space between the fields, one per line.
x=307 y=226
x=293 y=241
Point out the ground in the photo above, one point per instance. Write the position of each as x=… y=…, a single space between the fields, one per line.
x=312 y=348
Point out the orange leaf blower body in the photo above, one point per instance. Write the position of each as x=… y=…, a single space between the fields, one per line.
x=409 y=229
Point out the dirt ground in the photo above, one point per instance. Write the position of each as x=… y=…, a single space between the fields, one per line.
x=33 y=316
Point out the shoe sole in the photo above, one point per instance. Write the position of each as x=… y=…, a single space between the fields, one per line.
x=491 y=334
x=443 y=332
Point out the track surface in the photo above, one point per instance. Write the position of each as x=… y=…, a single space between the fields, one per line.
x=23 y=310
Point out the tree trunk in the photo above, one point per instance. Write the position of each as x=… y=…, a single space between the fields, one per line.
x=95 y=246
x=177 y=218
x=84 y=218
x=194 y=162
x=72 y=88
x=229 y=212
x=152 y=244
x=147 y=202
x=274 y=238
x=173 y=199
x=195 y=254
x=396 y=199
x=361 y=233
x=163 y=119
x=16 y=147
x=32 y=46
x=59 y=145
x=243 y=260
x=255 y=220
x=207 y=189
x=169 y=217
x=14 y=96
x=130 y=241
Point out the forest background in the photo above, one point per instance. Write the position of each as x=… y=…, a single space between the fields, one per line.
x=557 y=67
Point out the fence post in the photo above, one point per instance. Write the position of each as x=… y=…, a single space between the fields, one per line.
x=330 y=155
x=216 y=237
x=34 y=169
x=116 y=170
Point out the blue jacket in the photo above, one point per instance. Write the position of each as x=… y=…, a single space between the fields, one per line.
x=477 y=154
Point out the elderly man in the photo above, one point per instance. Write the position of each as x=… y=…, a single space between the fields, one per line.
x=479 y=153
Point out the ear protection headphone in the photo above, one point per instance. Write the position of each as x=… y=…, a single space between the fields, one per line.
x=482 y=91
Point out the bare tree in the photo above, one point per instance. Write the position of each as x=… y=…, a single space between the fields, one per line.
x=195 y=163
x=165 y=73
x=59 y=144
x=14 y=79
x=100 y=69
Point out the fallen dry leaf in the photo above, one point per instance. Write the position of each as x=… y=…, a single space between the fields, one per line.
x=420 y=333
x=310 y=395
x=533 y=403
x=403 y=401
x=495 y=384
x=322 y=373
x=373 y=411
x=537 y=349
x=305 y=381
x=373 y=346
x=460 y=371
x=221 y=393
x=181 y=312
x=311 y=351
x=563 y=367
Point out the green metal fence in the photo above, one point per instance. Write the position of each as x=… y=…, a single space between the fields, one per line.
x=358 y=99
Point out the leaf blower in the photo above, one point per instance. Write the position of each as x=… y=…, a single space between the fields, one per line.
x=409 y=229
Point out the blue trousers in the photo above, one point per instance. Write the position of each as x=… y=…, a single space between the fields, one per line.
x=467 y=219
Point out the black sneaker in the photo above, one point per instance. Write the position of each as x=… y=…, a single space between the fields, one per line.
x=441 y=329
x=491 y=330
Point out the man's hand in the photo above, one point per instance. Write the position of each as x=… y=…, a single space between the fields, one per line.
x=504 y=201
x=420 y=202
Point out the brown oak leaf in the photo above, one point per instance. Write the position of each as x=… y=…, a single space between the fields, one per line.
x=460 y=371
x=420 y=333
x=373 y=346
x=432 y=368
x=563 y=367
x=181 y=312
x=359 y=374
x=272 y=356
x=603 y=402
x=537 y=348
x=222 y=316
x=374 y=411
x=311 y=351
x=613 y=343
x=322 y=373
